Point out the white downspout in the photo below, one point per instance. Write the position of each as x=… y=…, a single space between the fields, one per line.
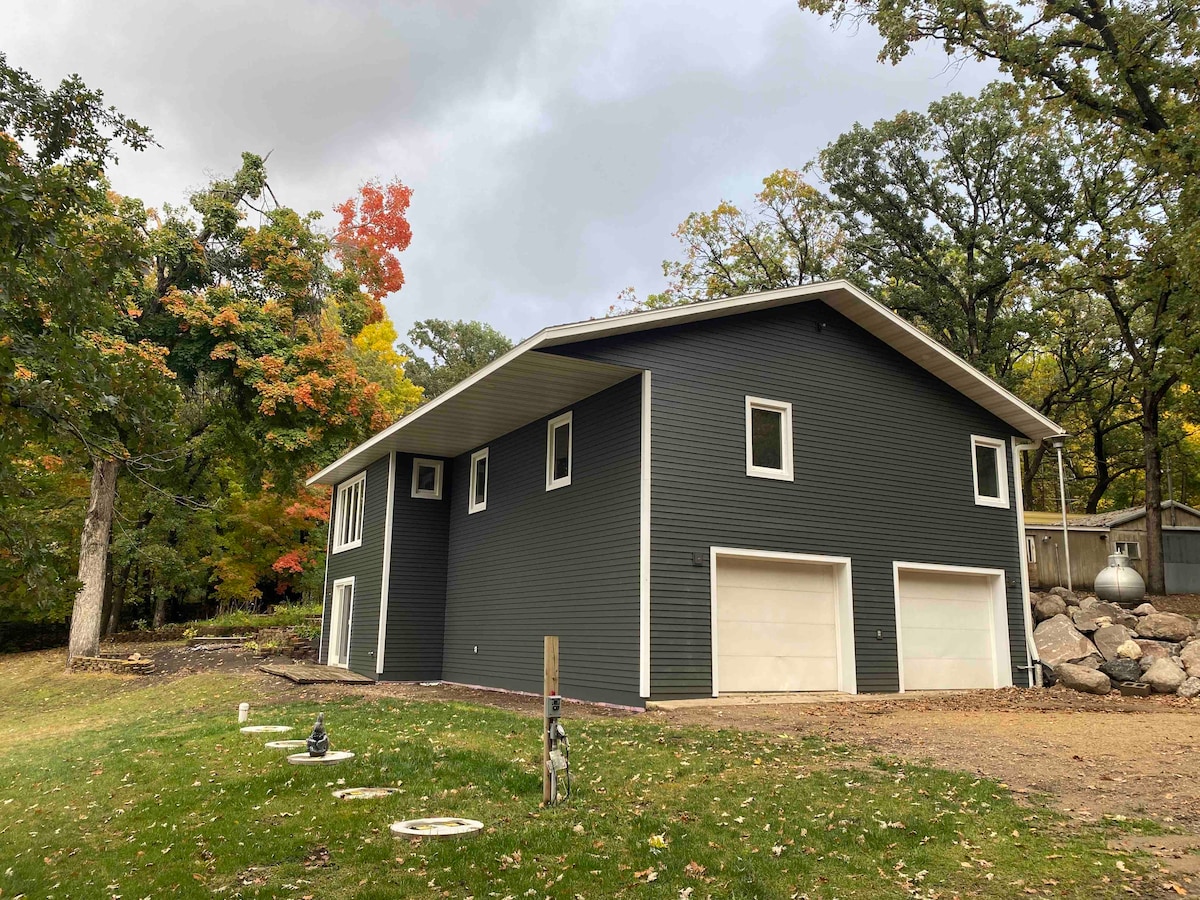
x=1031 y=657
x=1062 y=502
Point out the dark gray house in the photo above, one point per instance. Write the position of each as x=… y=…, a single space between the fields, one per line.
x=672 y=493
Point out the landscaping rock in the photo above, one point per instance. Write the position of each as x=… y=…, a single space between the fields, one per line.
x=1084 y=602
x=1129 y=650
x=1108 y=640
x=1165 y=627
x=1091 y=661
x=1081 y=678
x=1165 y=677
x=1058 y=641
x=1146 y=609
x=1096 y=616
x=1122 y=670
x=1047 y=606
x=1189 y=658
x=1069 y=597
x=1190 y=688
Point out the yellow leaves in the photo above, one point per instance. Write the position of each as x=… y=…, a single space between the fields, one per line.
x=22 y=373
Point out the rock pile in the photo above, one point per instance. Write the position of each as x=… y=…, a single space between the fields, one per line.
x=1092 y=646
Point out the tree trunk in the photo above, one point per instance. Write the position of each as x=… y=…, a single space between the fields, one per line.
x=1155 y=576
x=1033 y=462
x=118 y=602
x=160 y=610
x=93 y=560
x=106 y=606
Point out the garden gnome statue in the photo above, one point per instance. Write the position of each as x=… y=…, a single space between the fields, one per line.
x=318 y=741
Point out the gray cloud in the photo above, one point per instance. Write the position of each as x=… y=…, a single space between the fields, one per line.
x=552 y=147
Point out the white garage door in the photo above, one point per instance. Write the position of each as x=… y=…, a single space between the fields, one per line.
x=776 y=625
x=947 y=625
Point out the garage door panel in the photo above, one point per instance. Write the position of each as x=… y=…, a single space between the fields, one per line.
x=962 y=674
x=922 y=612
x=762 y=574
x=775 y=673
x=806 y=607
x=771 y=639
x=946 y=625
x=776 y=625
x=945 y=643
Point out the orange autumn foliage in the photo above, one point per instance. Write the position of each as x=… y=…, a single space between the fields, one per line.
x=372 y=230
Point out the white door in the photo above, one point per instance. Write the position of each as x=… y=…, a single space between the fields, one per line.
x=947 y=623
x=776 y=624
x=341 y=606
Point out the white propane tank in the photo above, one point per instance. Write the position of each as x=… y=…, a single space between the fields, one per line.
x=1118 y=583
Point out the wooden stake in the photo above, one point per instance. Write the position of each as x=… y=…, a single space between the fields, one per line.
x=549 y=686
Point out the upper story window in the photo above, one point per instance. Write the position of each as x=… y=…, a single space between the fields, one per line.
x=769 y=439
x=991 y=471
x=427 y=479
x=477 y=499
x=559 y=434
x=348 y=518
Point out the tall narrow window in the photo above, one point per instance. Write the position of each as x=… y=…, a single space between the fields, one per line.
x=990 y=470
x=769 y=439
x=559 y=433
x=477 y=501
x=427 y=479
x=348 y=520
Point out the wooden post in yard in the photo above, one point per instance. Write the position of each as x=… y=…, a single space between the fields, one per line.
x=549 y=686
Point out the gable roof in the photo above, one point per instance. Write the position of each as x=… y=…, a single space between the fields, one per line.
x=1109 y=519
x=524 y=384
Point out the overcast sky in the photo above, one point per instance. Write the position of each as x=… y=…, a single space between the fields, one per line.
x=552 y=146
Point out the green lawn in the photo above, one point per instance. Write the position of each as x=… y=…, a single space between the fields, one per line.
x=111 y=788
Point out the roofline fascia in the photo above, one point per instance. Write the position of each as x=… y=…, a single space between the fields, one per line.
x=575 y=331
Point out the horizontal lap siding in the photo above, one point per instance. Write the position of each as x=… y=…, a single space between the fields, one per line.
x=883 y=473
x=365 y=564
x=539 y=562
x=417 y=586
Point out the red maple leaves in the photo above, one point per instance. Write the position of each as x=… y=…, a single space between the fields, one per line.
x=373 y=229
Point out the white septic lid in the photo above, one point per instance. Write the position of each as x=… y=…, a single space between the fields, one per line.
x=364 y=793
x=333 y=756
x=439 y=826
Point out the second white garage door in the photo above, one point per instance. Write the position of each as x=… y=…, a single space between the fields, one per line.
x=949 y=623
x=776 y=624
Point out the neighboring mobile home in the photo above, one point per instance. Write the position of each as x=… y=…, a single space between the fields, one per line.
x=1093 y=537
x=671 y=492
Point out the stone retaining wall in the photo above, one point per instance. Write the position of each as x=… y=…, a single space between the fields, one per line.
x=1093 y=646
x=117 y=665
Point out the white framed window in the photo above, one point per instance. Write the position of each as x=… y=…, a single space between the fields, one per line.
x=477 y=499
x=1030 y=550
x=560 y=435
x=1132 y=549
x=989 y=466
x=348 y=522
x=769 y=439
x=427 y=479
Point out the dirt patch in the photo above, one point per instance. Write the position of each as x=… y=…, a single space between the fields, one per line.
x=1185 y=604
x=1093 y=756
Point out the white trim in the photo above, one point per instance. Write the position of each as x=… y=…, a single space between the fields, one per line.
x=1057 y=529
x=358 y=486
x=1001 y=661
x=437 y=465
x=843 y=622
x=996 y=444
x=472 y=506
x=840 y=294
x=385 y=579
x=566 y=418
x=1024 y=540
x=341 y=582
x=787 y=473
x=325 y=595
x=644 y=546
